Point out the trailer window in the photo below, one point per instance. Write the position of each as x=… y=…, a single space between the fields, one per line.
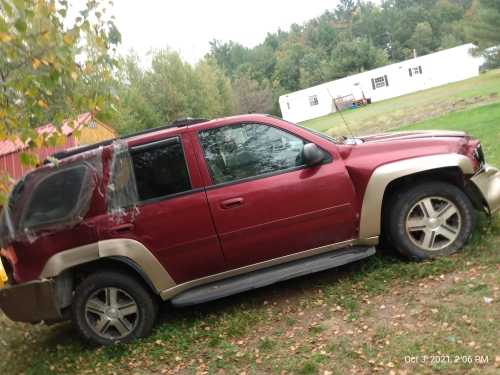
x=313 y=100
x=417 y=70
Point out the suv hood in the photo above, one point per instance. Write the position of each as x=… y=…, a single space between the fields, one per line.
x=394 y=136
x=373 y=150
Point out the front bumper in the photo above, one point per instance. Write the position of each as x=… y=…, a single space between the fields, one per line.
x=488 y=183
x=31 y=302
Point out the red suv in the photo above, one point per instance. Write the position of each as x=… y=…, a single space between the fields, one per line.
x=200 y=209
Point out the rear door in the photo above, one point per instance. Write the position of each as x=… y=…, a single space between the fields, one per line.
x=172 y=217
x=265 y=202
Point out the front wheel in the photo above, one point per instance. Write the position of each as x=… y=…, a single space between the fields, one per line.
x=430 y=220
x=111 y=307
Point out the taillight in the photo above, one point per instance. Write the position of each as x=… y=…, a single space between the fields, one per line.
x=9 y=260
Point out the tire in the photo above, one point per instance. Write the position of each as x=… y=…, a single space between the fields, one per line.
x=111 y=307
x=430 y=220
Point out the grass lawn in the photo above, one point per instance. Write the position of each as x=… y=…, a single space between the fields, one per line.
x=381 y=315
x=481 y=122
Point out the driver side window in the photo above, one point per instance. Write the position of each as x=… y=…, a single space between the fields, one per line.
x=241 y=151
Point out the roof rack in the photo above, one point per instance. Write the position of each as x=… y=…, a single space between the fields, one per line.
x=186 y=121
x=77 y=150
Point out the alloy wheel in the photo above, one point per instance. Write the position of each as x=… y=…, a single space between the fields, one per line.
x=433 y=223
x=111 y=313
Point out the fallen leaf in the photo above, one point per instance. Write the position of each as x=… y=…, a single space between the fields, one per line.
x=488 y=300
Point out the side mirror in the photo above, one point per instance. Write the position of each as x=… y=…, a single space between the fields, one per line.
x=312 y=154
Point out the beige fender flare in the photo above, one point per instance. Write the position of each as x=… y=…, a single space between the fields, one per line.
x=123 y=247
x=371 y=210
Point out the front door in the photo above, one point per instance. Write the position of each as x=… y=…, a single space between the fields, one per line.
x=265 y=202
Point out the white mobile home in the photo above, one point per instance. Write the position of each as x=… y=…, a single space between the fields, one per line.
x=439 y=68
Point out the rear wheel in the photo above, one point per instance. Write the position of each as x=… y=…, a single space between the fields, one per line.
x=430 y=220
x=111 y=307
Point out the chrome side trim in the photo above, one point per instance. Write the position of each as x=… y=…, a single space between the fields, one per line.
x=173 y=291
x=371 y=211
x=124 y=247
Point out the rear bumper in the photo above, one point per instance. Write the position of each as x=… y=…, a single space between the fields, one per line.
x=31 y=302
x=488 y=183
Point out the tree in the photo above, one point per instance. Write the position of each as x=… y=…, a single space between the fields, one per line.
x=262 y=61
x=169 y=86
x=485 y=30
x=45 y=60
x=287 y=71
x=355 y=56
x=51 y=69
x=167 y=90
x=421 y=40
x=250 y=97
x=321 y=33
x=134 y=110
x=214 y=90
x=449 y=41
x=229 y=56
x=345 y=9
x=314 y=69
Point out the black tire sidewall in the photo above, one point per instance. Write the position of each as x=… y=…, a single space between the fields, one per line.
x=145 y=301
x=406 y=199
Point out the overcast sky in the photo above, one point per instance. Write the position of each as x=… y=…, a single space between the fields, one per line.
x=187 y=26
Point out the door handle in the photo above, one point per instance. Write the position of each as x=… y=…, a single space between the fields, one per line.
x=122 y=228
x=230 y=203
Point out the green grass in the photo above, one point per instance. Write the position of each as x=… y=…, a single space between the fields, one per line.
x=330 y=321
x=481 y=122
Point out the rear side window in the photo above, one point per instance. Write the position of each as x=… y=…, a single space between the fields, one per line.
x=55 y=199
x=160 y=169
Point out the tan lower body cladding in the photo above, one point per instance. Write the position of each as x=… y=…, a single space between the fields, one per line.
x=159 y=277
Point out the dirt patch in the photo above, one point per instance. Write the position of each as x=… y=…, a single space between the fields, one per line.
x=336 y=335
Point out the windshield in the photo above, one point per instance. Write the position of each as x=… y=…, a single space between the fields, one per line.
x=337 y=140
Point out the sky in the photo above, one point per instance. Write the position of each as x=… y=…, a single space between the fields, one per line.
x=188 y=26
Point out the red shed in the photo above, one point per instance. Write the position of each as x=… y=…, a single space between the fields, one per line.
x=91 y=131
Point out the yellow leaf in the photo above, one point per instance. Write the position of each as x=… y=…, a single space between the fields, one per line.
x=42 y=103
x=38 y=141
x=88 y=68
x=45 y=34
x=5 y=38
x=68 y=39
x=74 y=76
x=35 y=63
x=57 y=66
